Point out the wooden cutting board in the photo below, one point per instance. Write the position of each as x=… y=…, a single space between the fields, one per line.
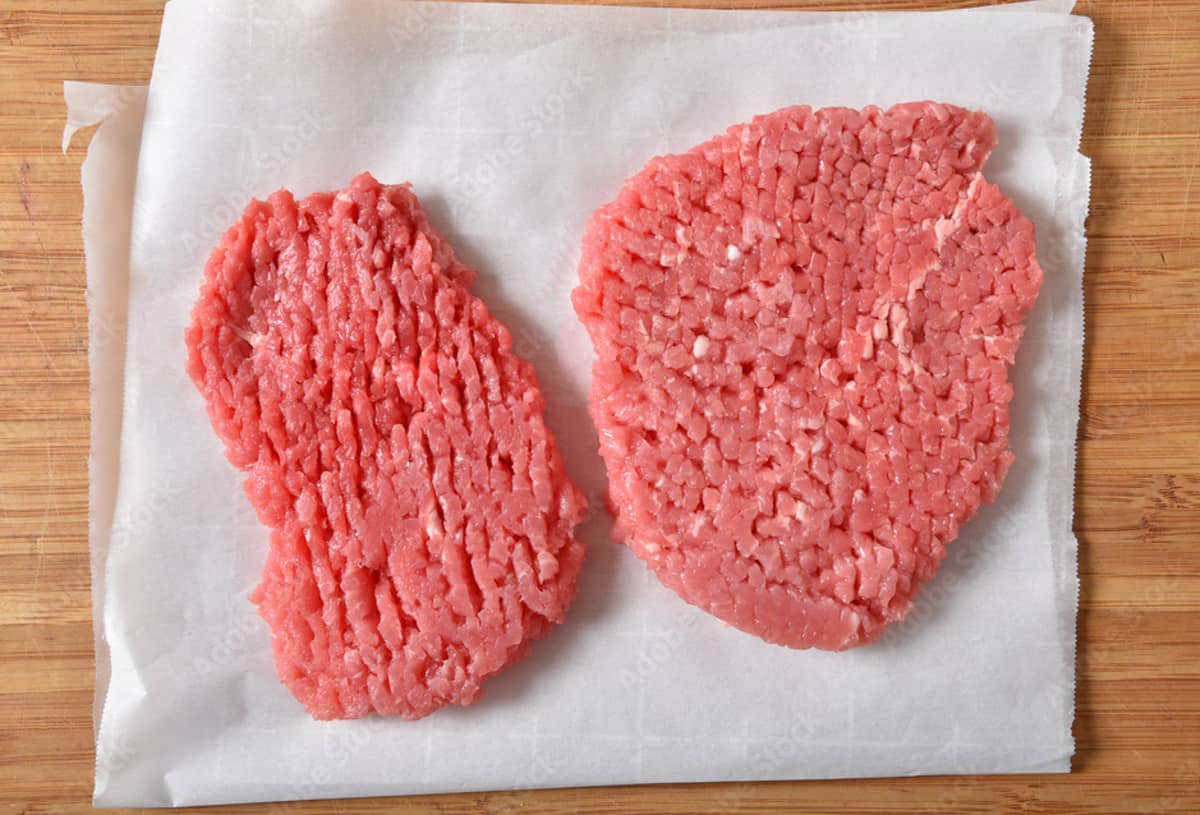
x=1137 y=512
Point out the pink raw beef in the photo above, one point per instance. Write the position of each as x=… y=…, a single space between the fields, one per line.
x=421 y=518
x=803 y=330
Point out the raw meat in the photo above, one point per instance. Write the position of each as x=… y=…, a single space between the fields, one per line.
x=803 y=330
x=421 y=518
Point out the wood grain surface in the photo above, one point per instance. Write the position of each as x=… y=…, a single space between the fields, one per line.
x=1137 y=511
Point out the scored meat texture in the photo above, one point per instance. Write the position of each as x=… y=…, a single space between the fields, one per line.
x=421 y=519
x=803 y=330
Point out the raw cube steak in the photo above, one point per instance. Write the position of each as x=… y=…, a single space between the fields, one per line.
x=421 y=518
x=803 y=330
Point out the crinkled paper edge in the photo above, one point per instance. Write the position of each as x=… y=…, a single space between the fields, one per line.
x=108 y=176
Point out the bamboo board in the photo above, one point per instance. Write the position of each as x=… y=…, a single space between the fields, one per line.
x=1137 y=512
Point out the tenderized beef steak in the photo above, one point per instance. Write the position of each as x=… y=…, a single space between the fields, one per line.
x=803 y=330
x=421 y=518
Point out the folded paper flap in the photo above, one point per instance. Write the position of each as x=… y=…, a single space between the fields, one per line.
x=513 y=123
x=90 y=103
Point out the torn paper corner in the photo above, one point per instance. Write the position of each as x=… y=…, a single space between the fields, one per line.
x=90 y=103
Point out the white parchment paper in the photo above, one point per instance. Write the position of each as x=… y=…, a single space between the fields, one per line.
x=513 y=123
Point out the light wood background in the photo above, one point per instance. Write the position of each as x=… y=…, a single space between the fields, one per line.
x=1138 y=506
